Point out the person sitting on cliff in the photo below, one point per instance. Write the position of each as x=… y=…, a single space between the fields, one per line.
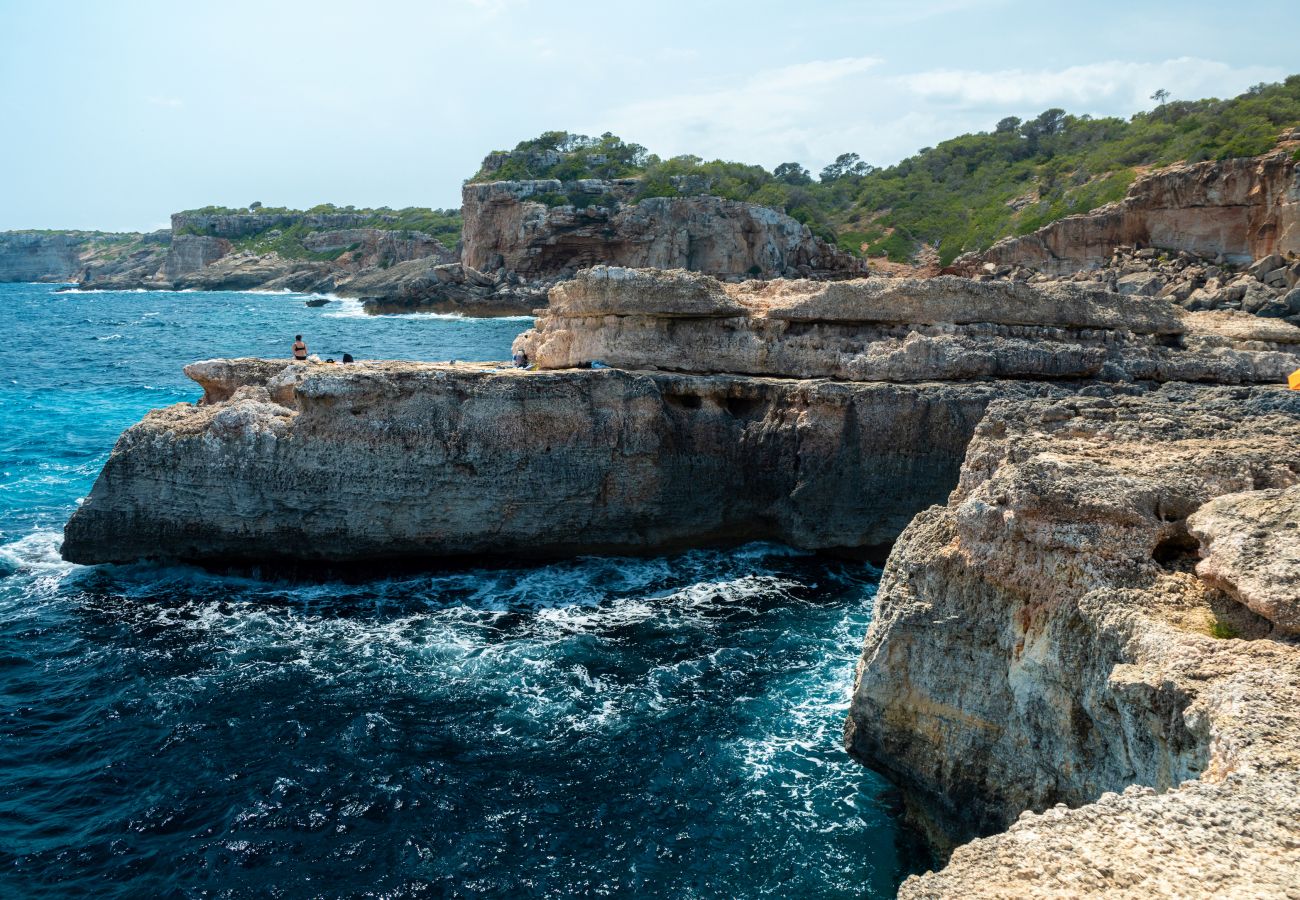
x=347 y=358
x=299 y=348
x=521 y=360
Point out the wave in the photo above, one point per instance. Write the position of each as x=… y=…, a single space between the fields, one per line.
x=351 y=308
x=36 y=553
x=115 y=291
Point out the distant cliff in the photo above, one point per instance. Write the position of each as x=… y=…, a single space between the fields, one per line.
x=1235 y=211
x=521 y=237
x=314 y=250
x=55 y=256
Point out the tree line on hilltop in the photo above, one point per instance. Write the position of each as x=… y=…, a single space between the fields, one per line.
x=964 y=194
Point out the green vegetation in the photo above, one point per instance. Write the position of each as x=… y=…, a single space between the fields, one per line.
x=962 y=195
x=1223 y=631
x=285 y=238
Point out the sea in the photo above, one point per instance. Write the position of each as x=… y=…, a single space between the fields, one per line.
x=596 y=727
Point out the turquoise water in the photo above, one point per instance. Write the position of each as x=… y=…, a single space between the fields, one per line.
x=663 y=727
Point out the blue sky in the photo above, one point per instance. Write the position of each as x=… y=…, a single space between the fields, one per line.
x=117 y=114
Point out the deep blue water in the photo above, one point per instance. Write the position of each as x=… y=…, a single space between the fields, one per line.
x=663 y=727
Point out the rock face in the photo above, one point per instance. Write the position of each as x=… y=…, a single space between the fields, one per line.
x=191 y=252
x=507 y=227
x=432 y=285
x=38 y=256
x=1251 y=548
x=337 y=248
x=54 y=256
x=899 y=330
x=419 y=461
x=1044 y=658
x=1238 y=210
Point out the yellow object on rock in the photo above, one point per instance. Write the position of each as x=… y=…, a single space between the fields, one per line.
x=1293 y=380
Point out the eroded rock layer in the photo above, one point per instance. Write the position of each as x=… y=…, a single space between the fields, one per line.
x=1235 y=210
x=507 y=227
x=900 y=329
x=421 y=461
x=1045 y=659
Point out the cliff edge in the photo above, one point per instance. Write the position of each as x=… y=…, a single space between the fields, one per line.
x=1050 y=656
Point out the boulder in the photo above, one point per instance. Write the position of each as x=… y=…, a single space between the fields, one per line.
x=1260 y=267
x=1250 y=548
x=1140 y=284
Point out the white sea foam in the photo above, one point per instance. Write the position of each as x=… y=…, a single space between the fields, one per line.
x=37 y=553
x=351 y=308
x=114 y=291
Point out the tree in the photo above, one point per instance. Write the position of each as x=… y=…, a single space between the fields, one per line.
x=1050 y=122
x=792 y=173
x=1160 y=96
x=846 y=165
x=1007 y=125
x=256 y=204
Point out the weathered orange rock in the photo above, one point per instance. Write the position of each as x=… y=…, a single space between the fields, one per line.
x=1241 y=209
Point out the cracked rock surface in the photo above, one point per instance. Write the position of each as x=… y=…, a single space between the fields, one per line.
x=1047 y=673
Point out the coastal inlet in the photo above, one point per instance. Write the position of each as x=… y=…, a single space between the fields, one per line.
x=665 y=726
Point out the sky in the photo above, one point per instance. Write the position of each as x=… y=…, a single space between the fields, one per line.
x=117 y=114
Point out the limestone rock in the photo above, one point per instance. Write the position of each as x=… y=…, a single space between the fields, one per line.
x=431 y=285
x=419 y=462
x=1238 y=209
x=37 y=256
x=506 y=226
x=896 y=329
x=1140 y=284
x=54 y=256
x=1251 y=548
x=1044 y=665
x=192 y=252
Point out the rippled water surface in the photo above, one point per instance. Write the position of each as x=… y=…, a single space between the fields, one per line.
x=664 y=727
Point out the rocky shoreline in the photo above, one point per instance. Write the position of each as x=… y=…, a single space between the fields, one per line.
x=1046 y=663
x=1054 y=677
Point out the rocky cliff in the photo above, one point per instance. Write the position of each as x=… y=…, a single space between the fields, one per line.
x=300 y=251
x=542 y=463
x=882 y=329
x=1233 y=211
x=419 y=461
x=1046 y=659
x=55 y=256
x=520 y=239
x=38 y=256
x=1086 y=661
x=507 y=226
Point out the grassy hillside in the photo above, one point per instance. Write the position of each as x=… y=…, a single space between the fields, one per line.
x=963 y=194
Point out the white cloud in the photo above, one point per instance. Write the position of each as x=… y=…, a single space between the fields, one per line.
x=1103 y=87
x=813 y=111
x=768 y=115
